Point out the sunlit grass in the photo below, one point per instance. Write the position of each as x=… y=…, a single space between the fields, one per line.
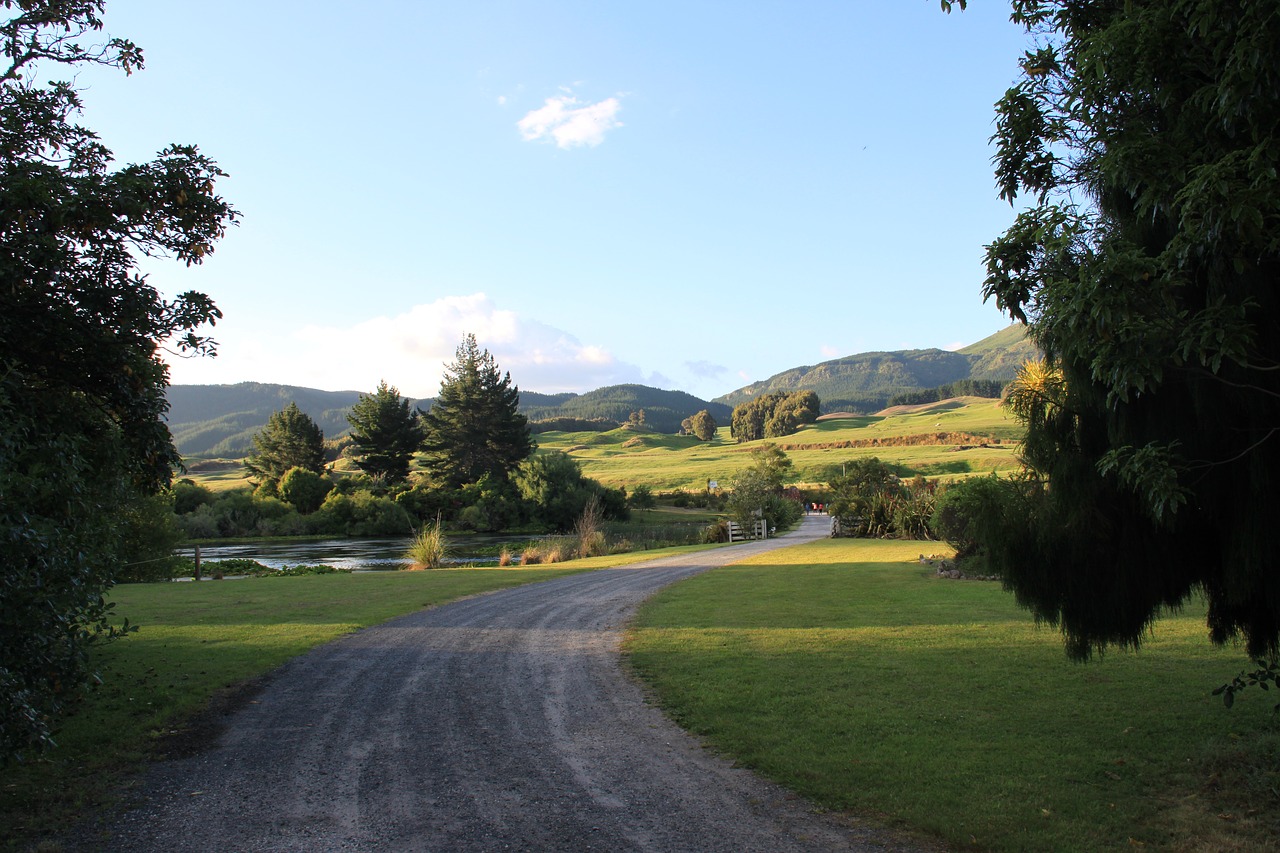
x=846 y=670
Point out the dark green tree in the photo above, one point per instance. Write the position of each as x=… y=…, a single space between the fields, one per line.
x=289 y=440
x=83 y=440
x=553 y=484
x=773 y=415
x=386 y=433
x=304 y=489
x=474 y=427
x=863 y=497
x=703 y=425
x=1146 y=136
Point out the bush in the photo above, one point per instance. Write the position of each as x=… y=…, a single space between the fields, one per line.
x=304 y=489
x=360 y=514
x=429 y=549
x=188 y=496
x=965 y=509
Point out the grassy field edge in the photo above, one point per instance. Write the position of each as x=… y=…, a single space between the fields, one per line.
x=848 y=672
x=205 y=647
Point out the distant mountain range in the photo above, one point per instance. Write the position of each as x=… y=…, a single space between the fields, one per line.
x=221 y=420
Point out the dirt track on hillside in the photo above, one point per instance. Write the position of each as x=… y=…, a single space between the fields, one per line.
x=500 y=722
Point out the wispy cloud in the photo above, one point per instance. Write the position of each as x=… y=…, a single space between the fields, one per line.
x=569 y=122
x=829 y=351
x=706 y=369
x=410 y=350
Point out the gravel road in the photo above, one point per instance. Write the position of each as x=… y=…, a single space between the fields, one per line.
x=499 y=722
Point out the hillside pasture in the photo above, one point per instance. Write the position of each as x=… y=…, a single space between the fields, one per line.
x=951 y=438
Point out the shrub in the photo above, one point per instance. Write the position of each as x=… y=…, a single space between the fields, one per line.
x=305 y=489
x=430 y=548
x=188 y=496
x=965 y=509
x=593 y=545
x=298 y=571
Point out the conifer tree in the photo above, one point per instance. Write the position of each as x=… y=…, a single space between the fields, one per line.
x=289 y=440
x=386 y=433
x=474 y=427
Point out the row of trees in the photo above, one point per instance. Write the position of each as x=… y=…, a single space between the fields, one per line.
x=774 y=415
x=472 y=431
x=546 y=492
x=991 y=388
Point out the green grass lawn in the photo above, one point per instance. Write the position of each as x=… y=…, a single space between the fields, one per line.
x=848 y=672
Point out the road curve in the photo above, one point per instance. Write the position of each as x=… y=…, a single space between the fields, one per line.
x=499 y=722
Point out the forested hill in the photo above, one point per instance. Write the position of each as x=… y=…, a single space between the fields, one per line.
x=663 y=410
x=866 y=382
x=221 y=420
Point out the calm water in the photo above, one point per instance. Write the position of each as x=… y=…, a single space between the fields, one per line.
x=367 y=554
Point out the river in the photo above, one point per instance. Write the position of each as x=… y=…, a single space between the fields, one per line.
x=357 y=554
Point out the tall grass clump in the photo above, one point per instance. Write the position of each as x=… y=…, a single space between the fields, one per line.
x=591 y=539
x=429 y=549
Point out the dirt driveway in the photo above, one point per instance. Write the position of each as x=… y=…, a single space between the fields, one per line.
x=500 y=722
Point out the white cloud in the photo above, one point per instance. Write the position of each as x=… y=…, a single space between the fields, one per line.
x=952 y=347
x=829 y=351
x=410 y=350
x=569 y=122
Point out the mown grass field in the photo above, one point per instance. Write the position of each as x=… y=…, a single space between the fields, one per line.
x=847 y=671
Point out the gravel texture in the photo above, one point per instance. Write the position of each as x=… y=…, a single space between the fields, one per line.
x=499 y=722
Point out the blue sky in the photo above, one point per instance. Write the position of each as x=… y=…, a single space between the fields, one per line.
x=688 y=195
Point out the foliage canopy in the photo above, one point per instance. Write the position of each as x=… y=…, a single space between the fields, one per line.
x=289 y=440
x=386 y=433
x=82 y=435
x=474 y=428
x=774 y=415
x=1147 y=135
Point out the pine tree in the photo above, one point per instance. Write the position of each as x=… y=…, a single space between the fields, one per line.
x=290 y=439
x=386 y=433
x=474 y=427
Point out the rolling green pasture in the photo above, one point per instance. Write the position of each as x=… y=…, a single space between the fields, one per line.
x=666 y=462
x=848 y=671
x=671 y=462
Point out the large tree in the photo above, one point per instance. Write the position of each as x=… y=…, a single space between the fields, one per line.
x=291 y=439
x=83 y=441
x=474 y=427
x=386 y=432
x=703 y=425
x=1146 y=136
